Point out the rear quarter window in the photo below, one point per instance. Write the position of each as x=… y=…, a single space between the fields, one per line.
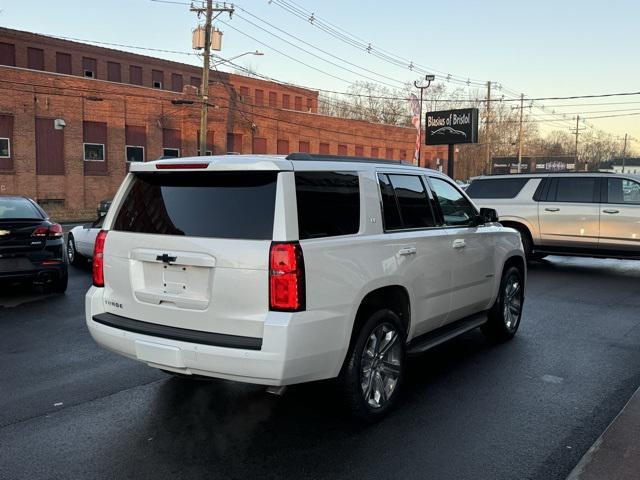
x=237 y=205
x=496 y=188
x=328 y=204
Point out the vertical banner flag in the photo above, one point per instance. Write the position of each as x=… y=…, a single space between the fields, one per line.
x=415 y=120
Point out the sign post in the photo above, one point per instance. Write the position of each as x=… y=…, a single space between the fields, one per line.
x=451 y=127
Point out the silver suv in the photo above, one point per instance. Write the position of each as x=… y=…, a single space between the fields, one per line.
x=584 y=214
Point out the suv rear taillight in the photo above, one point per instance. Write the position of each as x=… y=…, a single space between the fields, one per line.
x=52 y=231
x=98 y=259
x=286 y=277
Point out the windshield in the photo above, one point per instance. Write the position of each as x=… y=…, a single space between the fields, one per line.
x=15 y=208
x=204 y=204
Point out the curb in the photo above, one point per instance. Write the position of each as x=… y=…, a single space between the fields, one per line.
x=615 y=455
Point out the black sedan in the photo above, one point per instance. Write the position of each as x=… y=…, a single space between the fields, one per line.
x=31 y=246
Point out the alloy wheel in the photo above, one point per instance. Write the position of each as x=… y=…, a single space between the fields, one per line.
x=512 y=301
x=381 y=365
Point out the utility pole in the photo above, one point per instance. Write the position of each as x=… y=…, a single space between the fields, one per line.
x=577 y=133
x=428 y=79
x=624 y=152
x=488 y=129
x=521 y=131
x=204 y=91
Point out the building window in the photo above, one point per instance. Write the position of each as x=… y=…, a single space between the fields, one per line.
x=171 y=152
x=259 y=145
x=259 y=98
x=134 y=153
x=176 y=82
x=7 y=54
x=90 y=67
x=135 y=75
x=93 y=152
x=298 y=103
x=210 y=142
x=286 y=101
x=309 y=104
x=196 y=82
x=63 y=63
x=157 y=78
x=244 y=94
x=403 y=154
x=359 y=151
x=283 y=147
x=5 y=148
x=303 y=146
x=374 y=152
x=234 y=142
x=324 y=148
x=389 y=153
x=35 y=58
x=49 y=148
x=342 y=150
x=113 y=72
x=273 y=99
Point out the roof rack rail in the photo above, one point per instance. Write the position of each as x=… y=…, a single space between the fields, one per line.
x=313 y=157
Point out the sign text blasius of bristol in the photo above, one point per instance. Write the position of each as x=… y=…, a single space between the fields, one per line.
x=451 y=127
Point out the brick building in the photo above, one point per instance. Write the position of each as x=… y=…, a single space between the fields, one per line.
x=73 y=116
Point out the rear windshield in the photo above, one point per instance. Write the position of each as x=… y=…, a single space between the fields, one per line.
x=496 y=188
x=15 y=208
x=204 y=204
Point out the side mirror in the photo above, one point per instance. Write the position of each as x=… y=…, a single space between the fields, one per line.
x=488 y=215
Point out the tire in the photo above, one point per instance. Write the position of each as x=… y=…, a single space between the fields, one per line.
x=59 y=285
x=506 y=312
x=72 y=253
x=371 y=377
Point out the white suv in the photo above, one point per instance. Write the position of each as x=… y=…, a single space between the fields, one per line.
x=276 y=271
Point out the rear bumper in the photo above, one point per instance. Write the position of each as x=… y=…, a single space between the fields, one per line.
x=39 y=274
x=295 y=348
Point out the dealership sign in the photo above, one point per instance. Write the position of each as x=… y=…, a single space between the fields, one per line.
x=449 y=127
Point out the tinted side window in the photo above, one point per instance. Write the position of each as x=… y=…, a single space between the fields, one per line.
x=328 y=204
x=390 y=210
x=206 y=204
x=496 y=188
x=622 y=190
x=412 y=199
x=575 y=189
x=456 y=209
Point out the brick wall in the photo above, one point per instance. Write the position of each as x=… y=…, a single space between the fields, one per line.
x=27 y=94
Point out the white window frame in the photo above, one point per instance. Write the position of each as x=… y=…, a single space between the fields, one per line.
x=208 y=153
x=84 y=152
x=93 y=74
x=8 y=147
x=159 y=87
x=126 y=157
x=169 y=148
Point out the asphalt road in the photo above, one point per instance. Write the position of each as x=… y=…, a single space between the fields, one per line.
x=471 y=410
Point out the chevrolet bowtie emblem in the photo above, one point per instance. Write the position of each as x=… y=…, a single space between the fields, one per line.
x=4 y=232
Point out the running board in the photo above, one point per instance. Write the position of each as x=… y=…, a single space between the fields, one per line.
x=440 y=335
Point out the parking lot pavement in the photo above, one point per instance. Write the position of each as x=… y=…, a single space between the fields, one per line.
x=529 y=408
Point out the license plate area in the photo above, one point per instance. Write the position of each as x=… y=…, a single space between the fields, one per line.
x=184 y=284
x=175 y=279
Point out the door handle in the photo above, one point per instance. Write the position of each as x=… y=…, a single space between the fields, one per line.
x=459 y=243
x=611 y=211
x=552 y=209
x=407 y=251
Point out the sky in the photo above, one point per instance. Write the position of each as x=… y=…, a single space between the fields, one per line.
x=540 y=48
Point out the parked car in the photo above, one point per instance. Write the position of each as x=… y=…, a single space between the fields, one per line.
x=276 y=271
x=81 y=240
x=31 y=245
x=586 y=214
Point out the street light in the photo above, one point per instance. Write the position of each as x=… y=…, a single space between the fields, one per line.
x=227 y=60
x=428 y=79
